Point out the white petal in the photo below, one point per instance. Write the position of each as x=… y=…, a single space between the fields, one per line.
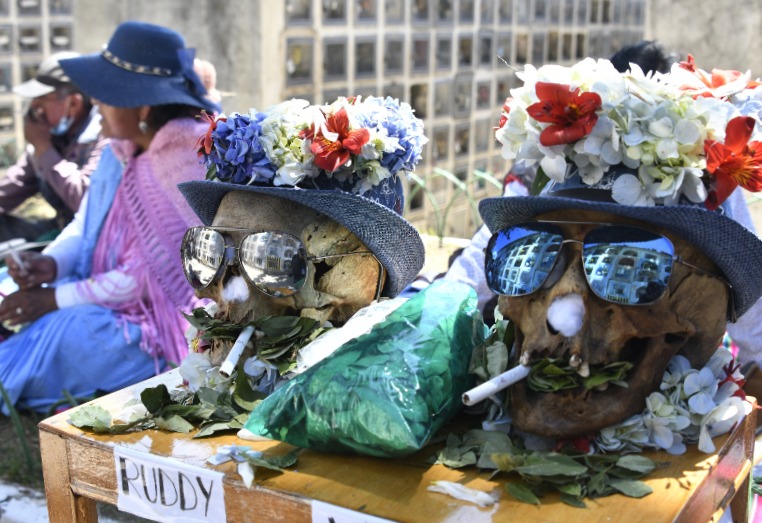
x=246 y=471
x=701 y=403
x=554 y=167
x=662 y=437
x=458 y=491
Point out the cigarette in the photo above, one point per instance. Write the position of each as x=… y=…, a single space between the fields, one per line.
x=17 y=259
x=235 y=353
x=496 y=384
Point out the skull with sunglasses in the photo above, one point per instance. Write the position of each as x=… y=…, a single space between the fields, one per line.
x=591 y=289
x=266 y=256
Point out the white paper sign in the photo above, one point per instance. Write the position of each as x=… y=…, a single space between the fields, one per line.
x=167 y=490
x=327 y=513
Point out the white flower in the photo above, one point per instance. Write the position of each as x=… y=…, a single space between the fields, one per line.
x=193 y=369
x=629 y=190
x=700 y=389
x=721 y=420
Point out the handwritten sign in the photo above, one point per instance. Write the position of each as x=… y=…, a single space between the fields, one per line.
x=164 y=489
x=327 y=513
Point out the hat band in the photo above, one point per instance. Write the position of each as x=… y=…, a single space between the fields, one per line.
x=135 y=68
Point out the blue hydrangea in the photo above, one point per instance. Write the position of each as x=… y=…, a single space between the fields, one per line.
x=237 y=153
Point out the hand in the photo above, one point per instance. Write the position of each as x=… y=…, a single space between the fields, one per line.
x=35 y=269
x=25 y=306
x=37 y=132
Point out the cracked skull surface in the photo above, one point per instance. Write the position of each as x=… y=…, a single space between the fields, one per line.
x=564 y=319
x=335 y=287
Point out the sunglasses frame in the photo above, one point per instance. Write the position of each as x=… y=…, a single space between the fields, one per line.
x=675 y=258
x=233 y=253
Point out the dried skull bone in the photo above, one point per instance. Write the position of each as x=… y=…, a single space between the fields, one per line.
x=334 y=288
x=690 y=319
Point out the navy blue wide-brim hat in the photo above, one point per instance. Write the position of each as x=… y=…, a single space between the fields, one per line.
x=391 y=238
x=142 y=64
x=733 y=248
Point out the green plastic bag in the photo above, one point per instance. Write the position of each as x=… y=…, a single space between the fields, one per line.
x=387 y=392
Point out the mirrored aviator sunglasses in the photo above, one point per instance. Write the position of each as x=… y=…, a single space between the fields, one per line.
x=274 y=262
x=622 y=264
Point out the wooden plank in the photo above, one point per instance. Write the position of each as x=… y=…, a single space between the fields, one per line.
x=397 y=489
x=63 y=504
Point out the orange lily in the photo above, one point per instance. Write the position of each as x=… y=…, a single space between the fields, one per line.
x=331 y=153
x=205 y=143
x=572 y=114
x=735 y=162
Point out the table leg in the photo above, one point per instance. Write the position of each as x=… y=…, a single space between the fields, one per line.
x=63 y=504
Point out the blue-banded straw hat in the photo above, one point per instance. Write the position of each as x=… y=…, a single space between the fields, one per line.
x=142 y=64
x=374 y=218
x=733 y=248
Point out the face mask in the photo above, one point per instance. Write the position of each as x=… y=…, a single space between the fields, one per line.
x=64 y=124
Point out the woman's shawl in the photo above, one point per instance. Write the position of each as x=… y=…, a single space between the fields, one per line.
x=148 y=207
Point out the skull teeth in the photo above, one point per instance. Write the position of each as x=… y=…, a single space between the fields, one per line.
x=524 y=360
x=575 y=361
x=584 y=370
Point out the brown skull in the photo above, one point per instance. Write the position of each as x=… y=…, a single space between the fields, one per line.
x=689 y=319
x=334 y=288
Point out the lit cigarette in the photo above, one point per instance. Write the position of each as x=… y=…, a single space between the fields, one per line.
x=17 y=259
x=235 y=353
x=496 y=384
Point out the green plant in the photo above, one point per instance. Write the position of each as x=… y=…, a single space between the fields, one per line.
x=31 y=463
x=463 y=189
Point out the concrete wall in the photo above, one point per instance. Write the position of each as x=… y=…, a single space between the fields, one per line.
x=722 y=34
x=213 y=27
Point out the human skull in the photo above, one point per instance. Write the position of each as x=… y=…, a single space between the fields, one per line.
x=334 y=289
x=689 y=319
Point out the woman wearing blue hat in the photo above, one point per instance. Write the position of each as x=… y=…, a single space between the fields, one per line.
x=112 y=317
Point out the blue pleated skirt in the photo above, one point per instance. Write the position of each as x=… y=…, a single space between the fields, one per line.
x=79 y=349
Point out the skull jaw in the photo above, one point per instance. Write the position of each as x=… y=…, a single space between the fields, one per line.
x=579 y=412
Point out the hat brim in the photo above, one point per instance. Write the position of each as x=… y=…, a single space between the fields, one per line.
x=33 y=89
x=107 y=83
x=733 y=248
x=395 y=242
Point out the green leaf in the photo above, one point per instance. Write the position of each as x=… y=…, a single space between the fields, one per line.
x=174 y=424
x=573 y=501
x=636 y=463
x=550 y=464
x=156 y=398
x=209 y=429
x=522 y=493
x=93 y=417
x=631 y=487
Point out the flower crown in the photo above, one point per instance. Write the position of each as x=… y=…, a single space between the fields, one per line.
x=354 y=141
x=688 y=133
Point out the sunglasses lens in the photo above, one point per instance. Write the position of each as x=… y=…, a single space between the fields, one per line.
x=519 y=258
x=627 y=265
x=274 y=261
x=202 y=253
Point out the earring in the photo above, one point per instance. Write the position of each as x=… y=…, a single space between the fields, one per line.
x=143 y=127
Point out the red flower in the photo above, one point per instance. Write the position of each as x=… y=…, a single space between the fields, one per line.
x=204 y=143
x=572 y=114
x=331 y=152
x=735 y=162
x=505 y=113
x=718 y=78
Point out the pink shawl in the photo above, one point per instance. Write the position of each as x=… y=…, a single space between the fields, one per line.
x=143 y=231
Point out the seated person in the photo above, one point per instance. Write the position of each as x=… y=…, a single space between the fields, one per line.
x=64 y=144
x=114 y=317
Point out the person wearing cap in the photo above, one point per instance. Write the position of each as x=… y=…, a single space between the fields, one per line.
x=112 y=316
x=64 y=144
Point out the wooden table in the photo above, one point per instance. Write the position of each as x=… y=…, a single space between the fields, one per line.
x=79 y=470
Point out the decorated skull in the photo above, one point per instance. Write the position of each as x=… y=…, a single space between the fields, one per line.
x=335 y=287
x=565 y=320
